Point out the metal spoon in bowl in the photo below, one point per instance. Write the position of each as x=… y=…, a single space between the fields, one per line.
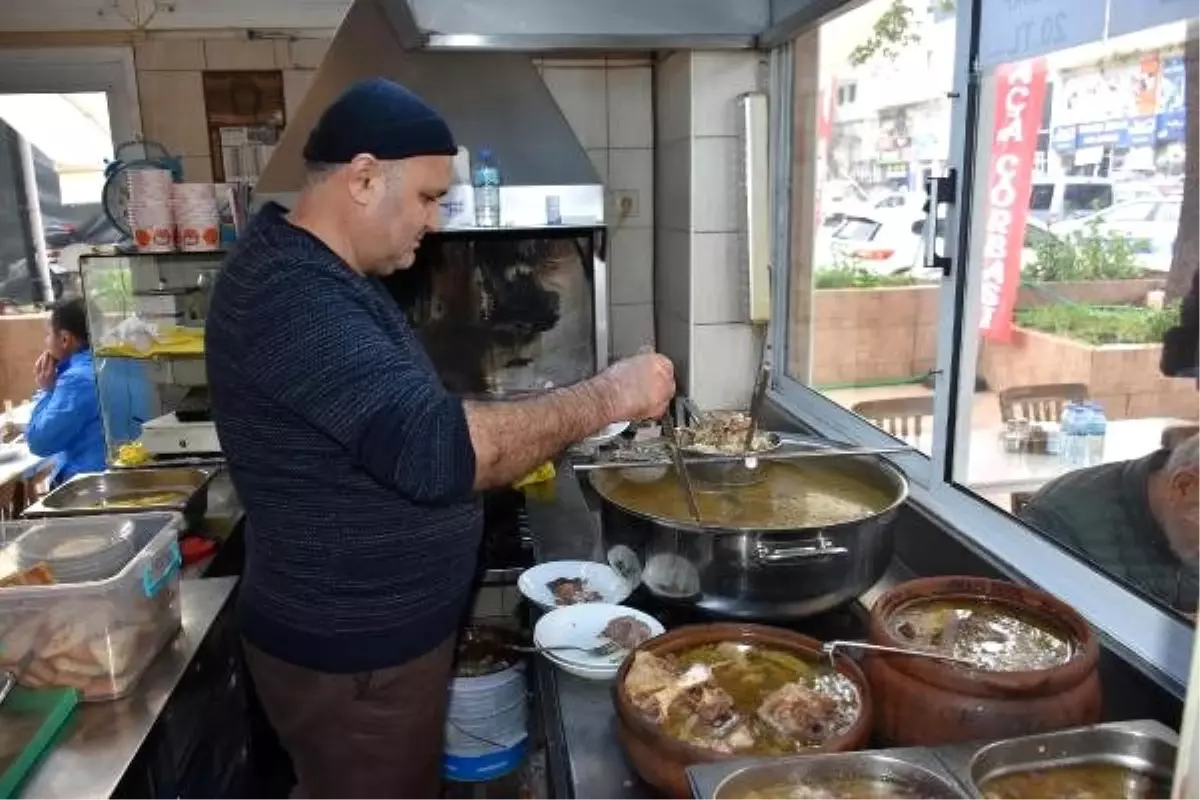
x=830 y=649
x=600 y=651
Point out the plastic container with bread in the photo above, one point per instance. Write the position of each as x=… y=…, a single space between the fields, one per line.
x=96 y=636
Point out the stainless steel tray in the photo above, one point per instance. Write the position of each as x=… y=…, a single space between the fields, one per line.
x=84 y=495
x=1144 y=745
x=918 y=765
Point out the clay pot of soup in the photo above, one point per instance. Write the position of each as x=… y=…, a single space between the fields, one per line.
x=1035 y=663
x=703 y=693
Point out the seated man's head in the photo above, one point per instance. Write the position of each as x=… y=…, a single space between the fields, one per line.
x=66 y=329
x=1175 y=499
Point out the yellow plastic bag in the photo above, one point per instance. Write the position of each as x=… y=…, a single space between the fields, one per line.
x=542 y=474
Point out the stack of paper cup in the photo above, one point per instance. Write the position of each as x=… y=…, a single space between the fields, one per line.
x=197 y=221
x=149 y=209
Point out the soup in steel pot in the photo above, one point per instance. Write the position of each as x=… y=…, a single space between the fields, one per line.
x=788 y=495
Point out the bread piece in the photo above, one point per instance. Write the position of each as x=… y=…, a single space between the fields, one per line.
x=70 y=666
x=71 y=632
x=20 y=639
x=115 y=652
x=40 y=671
x=37 y=575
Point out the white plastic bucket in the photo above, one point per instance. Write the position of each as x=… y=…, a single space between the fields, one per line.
x=486 y=725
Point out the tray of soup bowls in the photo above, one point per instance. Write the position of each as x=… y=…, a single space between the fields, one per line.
x=590 y=627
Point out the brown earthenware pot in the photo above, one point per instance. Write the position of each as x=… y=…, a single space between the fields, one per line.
x=924 y=702
x=660 y=759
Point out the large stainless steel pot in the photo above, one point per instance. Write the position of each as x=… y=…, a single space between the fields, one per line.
x=753 y=573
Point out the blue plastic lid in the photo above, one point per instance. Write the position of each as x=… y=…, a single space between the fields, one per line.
x=485 y=154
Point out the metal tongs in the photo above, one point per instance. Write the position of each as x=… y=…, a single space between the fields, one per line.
x=685 y=481
x=830 y=649
x=756 y=400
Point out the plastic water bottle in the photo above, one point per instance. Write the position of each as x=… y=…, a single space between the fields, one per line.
x=1074 y=435
x=486 y=180
x=1097 y=426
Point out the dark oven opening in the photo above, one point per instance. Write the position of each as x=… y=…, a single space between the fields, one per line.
x=504 y=311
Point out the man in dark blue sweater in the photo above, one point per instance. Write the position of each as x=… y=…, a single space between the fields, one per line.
x=358 y=471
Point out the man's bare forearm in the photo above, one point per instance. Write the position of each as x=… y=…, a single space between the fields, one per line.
x=513 y=438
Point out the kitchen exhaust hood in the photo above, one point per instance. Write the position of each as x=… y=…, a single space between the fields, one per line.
x=496 y=101
x=580 y=24
x=471 y=59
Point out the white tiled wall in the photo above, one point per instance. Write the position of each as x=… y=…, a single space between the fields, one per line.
x=673 y=209
x=172 y=95
x=700 y=319
x=608 y=103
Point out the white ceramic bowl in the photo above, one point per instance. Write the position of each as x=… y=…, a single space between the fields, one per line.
x=600 y=578
x=607 y=433
x=581 y=626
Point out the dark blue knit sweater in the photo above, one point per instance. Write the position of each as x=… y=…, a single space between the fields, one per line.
x=354 y=464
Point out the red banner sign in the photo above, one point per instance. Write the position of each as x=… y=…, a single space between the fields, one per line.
x=1020 y=90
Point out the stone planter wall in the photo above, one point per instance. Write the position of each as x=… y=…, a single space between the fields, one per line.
x=1124 y=378
x=864 y=336
x=1130 y=292
x=869 y=335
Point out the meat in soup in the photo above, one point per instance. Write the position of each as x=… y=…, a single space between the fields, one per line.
x=723 y=432
x=1077 y=781
x=734 y=697
x=995 y=636
x=790 y=495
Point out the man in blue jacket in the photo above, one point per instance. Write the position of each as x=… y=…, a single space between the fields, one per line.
x=66 y=413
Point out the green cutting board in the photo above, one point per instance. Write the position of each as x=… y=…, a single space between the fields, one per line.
x=29 y=720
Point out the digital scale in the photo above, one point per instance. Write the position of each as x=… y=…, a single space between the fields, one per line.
x=167 y=436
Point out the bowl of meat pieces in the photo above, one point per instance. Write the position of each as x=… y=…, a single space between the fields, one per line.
x=703 y=693
x=556 y=584
x=592 y=640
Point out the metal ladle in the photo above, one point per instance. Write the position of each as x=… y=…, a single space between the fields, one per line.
x=830 y=649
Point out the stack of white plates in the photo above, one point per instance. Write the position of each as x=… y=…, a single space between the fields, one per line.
x=197 y=221
x=149 y=209
x=75 y=556
x=582 y=626
x=602 y=579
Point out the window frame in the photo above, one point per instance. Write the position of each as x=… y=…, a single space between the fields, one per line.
x=1155 y=641
x=68 y=70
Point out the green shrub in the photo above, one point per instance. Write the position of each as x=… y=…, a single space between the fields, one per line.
x=859 y=278
x=1101 y=324
x=1090 y=255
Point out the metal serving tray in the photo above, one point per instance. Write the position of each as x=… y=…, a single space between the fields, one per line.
x=1143 y=745
x=83 y=495
x=916 y=766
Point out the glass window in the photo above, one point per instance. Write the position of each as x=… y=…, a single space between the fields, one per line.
x=1041 y=196
x=1083 y=423
x=1128 y=212
x=1168 y=211
x=1085 y=197
x=863 y=310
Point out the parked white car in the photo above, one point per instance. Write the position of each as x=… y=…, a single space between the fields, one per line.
x=1151 y=224
x=893 y=244
x=841 y=198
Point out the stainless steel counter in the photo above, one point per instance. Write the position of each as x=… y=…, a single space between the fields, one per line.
x=584 y=757
x=101 y=740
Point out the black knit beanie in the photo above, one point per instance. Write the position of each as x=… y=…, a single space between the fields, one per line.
x=380 y=118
